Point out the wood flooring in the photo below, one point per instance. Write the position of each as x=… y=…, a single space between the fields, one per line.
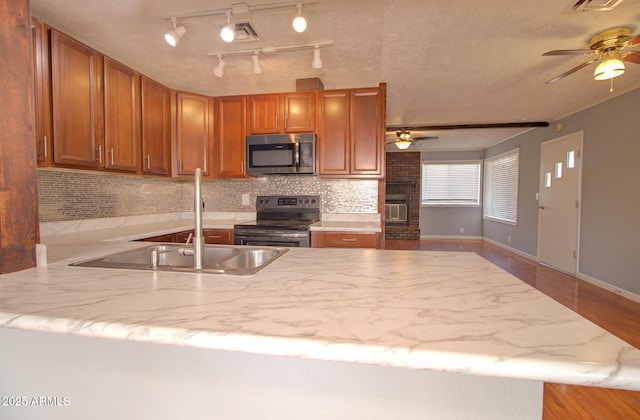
x=614 y=313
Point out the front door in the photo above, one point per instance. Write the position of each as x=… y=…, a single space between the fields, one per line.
x=559 y=202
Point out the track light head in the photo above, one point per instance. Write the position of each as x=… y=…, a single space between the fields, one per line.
x=299 y=23
x=218 y=70
x=317 y=61
x=173 y=37
x=257 y=68
x=228 y=32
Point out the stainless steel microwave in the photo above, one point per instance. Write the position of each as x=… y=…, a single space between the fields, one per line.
x=277 y=154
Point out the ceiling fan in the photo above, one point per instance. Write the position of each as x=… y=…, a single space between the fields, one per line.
x=607 y=47
x=404 y=139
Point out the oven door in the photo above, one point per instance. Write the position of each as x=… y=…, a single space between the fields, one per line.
x=270 y=238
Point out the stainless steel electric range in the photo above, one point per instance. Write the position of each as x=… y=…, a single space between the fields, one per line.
x=280 y=221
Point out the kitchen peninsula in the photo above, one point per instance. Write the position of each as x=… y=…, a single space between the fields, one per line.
x=340 y=333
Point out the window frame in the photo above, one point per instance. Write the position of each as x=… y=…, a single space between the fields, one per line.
x=487 y=184
x=423 y=180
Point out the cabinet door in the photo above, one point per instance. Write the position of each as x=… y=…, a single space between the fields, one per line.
x=42 y=90
x=300 y=112
x=231 y=137
x=333 y=133
x=77 y=103
x=366 y=136
x=156 y=125
x=121 y=117
x=264 y=114
x=193 y=133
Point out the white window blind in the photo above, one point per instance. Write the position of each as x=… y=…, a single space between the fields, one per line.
x=451 y=183
x=501 y=187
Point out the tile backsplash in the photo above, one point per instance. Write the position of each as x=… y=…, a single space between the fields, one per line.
x=65 y=194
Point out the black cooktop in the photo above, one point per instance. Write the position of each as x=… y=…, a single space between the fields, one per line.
x=284 y=213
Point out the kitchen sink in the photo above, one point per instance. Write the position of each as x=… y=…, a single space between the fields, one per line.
x=218 y=259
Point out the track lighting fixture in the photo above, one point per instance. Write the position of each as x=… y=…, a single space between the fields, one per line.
x=257 y=68
x=219 y=69
x=317 y=61
x=173 y=37
x=299 y=23
x=228 y=31
x=255 y=55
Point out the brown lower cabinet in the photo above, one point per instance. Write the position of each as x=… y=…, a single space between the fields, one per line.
x=211 y=236
x=344 y=239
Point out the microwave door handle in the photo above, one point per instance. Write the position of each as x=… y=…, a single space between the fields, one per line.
x=297 y=156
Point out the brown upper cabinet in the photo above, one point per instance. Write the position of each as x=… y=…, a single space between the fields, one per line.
x=231 y=122
x=77 y=103
x=42 y=90
x=193 y=133
x=121 y=117
x=156 y=128
x=282 y=113
x=351 y=133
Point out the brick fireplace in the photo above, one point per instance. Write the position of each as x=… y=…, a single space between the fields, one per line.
x=402 y=196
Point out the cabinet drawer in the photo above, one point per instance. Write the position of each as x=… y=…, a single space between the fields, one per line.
x=217 y=236
x=349 y=240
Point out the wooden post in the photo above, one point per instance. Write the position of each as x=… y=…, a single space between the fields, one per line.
x=18 y=178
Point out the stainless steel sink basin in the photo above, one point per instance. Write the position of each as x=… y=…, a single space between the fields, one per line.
x=218 y=259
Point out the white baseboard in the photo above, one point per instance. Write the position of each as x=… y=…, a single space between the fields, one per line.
x=510 y=249
x=449 y=237
x=610 y=287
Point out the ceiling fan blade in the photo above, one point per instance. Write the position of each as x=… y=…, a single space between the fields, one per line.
x=632 y=42
x=425 y=138
x=631 y=57
x=573 y=70
x=570 y=52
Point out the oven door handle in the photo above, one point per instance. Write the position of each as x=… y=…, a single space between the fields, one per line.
x=267 y=234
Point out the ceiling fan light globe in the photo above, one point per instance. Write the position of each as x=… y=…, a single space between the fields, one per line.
x=609 y=69
x=402 y=144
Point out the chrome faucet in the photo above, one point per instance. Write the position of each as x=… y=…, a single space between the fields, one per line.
x=198 y=239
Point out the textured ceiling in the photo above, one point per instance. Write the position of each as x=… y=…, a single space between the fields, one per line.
x=444 y=62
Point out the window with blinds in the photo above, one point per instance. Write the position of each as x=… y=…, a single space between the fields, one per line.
x=451 y=183
x=501 y=187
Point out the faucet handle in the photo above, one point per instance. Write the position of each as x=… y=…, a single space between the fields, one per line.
x=188 y=239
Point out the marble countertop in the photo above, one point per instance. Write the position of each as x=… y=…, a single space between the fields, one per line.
x=446 y=311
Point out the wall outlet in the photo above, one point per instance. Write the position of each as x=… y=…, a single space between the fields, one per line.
x=461 y=230
x=509 y=239
x=245 y=199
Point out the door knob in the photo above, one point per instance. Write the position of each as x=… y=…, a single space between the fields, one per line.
x=541 y=207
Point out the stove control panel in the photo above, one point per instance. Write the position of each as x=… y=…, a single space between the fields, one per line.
x=288 y=202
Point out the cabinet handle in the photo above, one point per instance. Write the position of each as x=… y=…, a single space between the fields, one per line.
x=215 y=236
x=112 y=156
x=46 y=147
x=180 y=165
x=148 y=161
x=286 y=123
x=349 y=240
x=100 y=154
